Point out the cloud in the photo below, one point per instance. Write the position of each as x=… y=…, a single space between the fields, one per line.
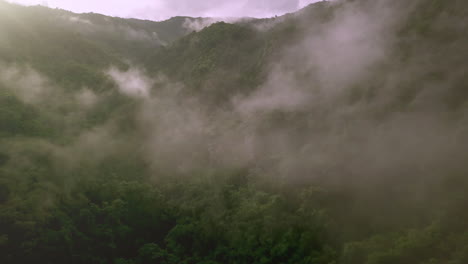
x=77 y=19
x=27 y=84
x=337 y=105
x=321 y=131
x=33 y=88
x=106 y=27
x=132 y=82
x=328 y=111
x=197 y=24
x=86 y=98
x=279 y=92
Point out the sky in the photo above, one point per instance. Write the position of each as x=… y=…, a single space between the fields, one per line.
x=164 y=9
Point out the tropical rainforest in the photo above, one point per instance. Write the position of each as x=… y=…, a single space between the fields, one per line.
x=337 y=134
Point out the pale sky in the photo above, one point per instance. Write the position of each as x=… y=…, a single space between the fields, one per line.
x=164 y=9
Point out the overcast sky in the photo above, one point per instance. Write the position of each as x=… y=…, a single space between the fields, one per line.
x=163 y=9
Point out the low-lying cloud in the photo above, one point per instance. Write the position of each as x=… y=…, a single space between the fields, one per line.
x=132 y=82
x=321 y=113
x=333 y=107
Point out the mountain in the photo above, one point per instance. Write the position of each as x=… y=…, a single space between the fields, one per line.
x=335 y=134
x=74 y=45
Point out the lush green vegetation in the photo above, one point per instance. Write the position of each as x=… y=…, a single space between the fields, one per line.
x=372 y=173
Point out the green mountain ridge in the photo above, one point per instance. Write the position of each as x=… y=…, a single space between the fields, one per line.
x=73 y=42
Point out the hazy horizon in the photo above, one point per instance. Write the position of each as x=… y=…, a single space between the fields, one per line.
x=165 y=9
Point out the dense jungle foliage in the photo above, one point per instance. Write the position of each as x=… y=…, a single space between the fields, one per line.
x=334 y=135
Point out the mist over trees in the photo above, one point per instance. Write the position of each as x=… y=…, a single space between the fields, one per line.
x=335 y=134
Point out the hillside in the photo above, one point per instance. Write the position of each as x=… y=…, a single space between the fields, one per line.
x=63 y=44
x=333 y=135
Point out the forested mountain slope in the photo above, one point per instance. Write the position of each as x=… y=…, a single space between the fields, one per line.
x=63 y=44
x=336 y=134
